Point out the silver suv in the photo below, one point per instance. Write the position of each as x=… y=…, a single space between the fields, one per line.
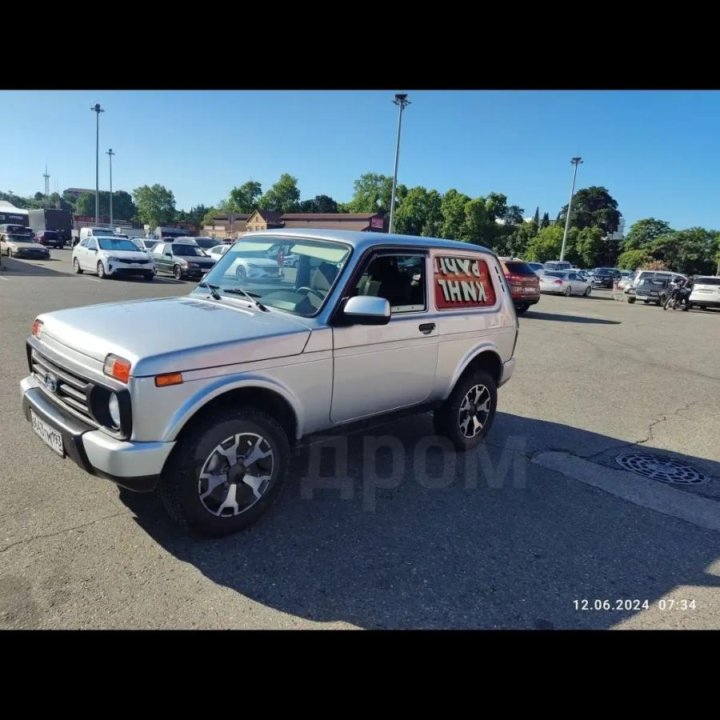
x=203 y=396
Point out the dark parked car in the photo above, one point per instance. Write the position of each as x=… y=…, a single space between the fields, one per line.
x=50 y=237
x=605 y=277
x=181 y=260
x=651 y=290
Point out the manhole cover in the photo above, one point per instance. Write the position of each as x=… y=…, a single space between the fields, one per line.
x=658 y=467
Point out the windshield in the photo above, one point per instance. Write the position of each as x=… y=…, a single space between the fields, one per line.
x=555 y=273
x=112 y=243
x=187 y=250
x=206 y=242
x=21 y=238
x=291 y=275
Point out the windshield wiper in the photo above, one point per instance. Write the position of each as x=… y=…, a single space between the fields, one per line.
x=213 y=289
x=250 y=296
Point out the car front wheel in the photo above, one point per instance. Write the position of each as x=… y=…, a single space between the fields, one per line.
x=226 y=471
x=520 y=308
x=101 y=271
x=468 y=413
x=177 y=272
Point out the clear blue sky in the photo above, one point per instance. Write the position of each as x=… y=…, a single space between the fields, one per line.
x=656 y=151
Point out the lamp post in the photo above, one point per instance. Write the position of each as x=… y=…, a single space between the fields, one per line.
x=110 y=154
x=402 y=102
x=97 y=110
x=575 y=161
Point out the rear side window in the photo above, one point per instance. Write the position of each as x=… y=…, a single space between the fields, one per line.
x=707 y=281
x=519 y=268
x=461 y=282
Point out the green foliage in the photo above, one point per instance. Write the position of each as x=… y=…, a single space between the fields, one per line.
x=373 y=192
x=479 y=223
x=496 y=206
x=319 y=204
x=593 y=207
x=546 y=245
x=590 y=247
x=513 y=215
x=283 y=196
x=155 y=205
x=633 y=259
x=643 y=233
x=545 y=222
x=420 y=213
x=209 y=217
x=123 y=205
x=452 y=209
x=244 y=198
x=688 y=251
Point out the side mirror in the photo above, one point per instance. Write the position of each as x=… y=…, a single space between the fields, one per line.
x=367 y=310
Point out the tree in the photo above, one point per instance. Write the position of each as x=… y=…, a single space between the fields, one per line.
x=319 y=204
x=536 y=217
x=85 y=204
x=591 y=247
x=420 y=213
x=513 y=215
x=593 y=207
x=283 y=196
x=496 y=206
x=452 y=209
x=123 y=206
x=643 y=233
x=197 y=214
x=155 y=205
x=372 y=193
x=479 y=223
x=633 y=259
x=545 y=222
x=688 y=251
x=245 y=198
x=546 y=245
x=209 y=217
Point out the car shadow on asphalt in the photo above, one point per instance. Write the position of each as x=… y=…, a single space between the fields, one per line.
x=536 y=315
x=12 y=267
x=486 y=539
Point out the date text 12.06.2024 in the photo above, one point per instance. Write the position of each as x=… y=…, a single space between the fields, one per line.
x=633 y=605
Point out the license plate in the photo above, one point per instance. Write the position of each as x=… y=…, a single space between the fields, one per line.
x=51 y=437
x=529 y=290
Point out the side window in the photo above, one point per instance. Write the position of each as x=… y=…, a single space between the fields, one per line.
x=83 y=243
x=462 y=282
x=400 y=279
x=92 y=244
x=158 y=249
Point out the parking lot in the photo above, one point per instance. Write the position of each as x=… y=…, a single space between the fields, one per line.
x=548 y=526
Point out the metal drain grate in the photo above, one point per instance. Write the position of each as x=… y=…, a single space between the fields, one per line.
x=662 y=468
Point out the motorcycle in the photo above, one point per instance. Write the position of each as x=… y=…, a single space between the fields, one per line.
x=679 y=297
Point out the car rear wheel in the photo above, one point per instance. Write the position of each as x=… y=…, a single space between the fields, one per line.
x=149 y=276
x=588 y=290
x=467 y=415
x=631 y=300
x=520 y=308
x=226 y=471
x=76 y=267
x=568 y=291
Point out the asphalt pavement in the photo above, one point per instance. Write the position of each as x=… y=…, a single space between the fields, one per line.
x=550 y=525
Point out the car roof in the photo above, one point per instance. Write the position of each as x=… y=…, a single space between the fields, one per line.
x=363 y=240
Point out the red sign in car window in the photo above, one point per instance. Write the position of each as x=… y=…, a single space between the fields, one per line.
x=462 y=282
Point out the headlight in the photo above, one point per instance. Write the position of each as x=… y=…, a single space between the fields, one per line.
x=112 y=258
x=193 y=265
x=114 y=410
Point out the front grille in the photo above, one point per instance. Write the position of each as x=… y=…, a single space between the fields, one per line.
x=70 y=390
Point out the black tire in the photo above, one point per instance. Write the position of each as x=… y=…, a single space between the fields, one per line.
x=448 y=420
x=9 y=253
x=686 y=307
x=631 y=300
x=76 y=267
x=520 y=308
x=588 y=290
x=100 y=269
x=666 y=304
x=568 y=291
x=149 y=276
x=180 y=486
x=177 y=272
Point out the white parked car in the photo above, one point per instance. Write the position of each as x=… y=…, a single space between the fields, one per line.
x=564 y=282
x=218 y=251
x=706 y=291
x=111 y=257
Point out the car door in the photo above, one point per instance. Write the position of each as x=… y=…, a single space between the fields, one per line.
x=576 y=285
x=400 y=357
x=158 y=256
x=81 y=253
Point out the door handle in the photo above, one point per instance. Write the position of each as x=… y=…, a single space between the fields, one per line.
x=426 y=328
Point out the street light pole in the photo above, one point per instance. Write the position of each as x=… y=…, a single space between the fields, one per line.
x=110 y=154
x=575 y=161
x=97 y=110
x=402 y=101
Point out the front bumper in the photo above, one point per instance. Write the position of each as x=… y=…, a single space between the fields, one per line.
x=507 y=371
x=31 y=254
x=133 y=465
x=122 y=269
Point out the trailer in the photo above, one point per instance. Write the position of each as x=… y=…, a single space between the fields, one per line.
x=60 y=221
